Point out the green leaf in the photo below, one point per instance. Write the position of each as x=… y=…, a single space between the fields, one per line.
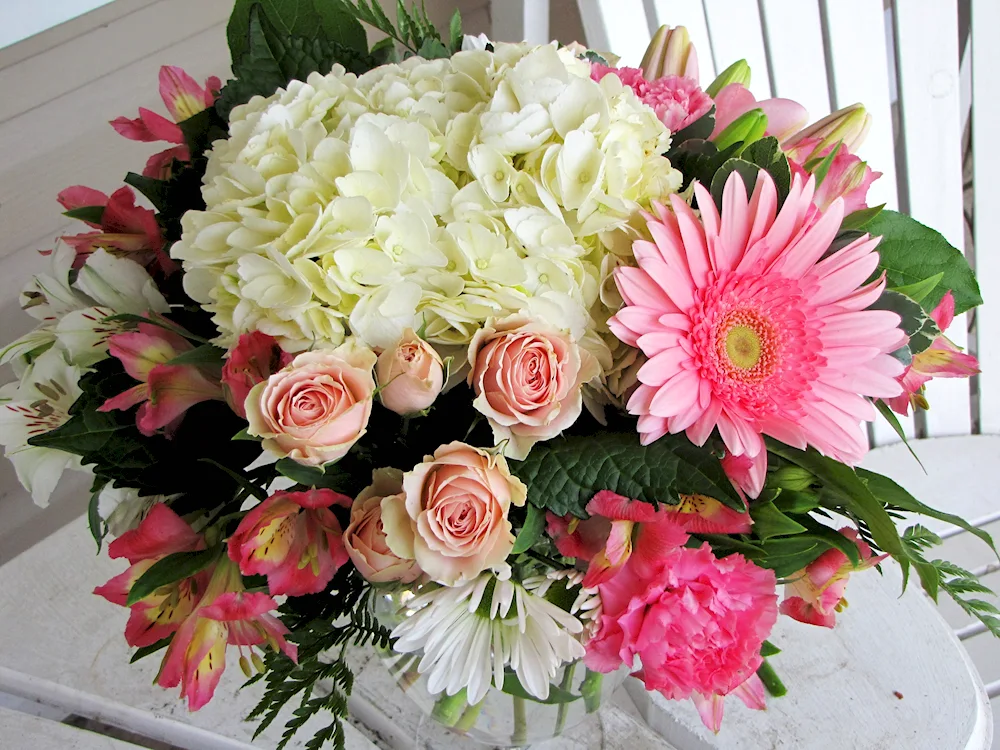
x=860 y=218
x=911 y=253
x=833 y=538
x=202 y=130
x=769 y=649
x=328 y=477
x=256 y=491
x=154 y=190
x=796 y=502
x=534 y=525
x=916 y=324
x=330 y=20
x=98 y=529
x=513 y=686
x=889 y=492
x=90 y=214
x=921 y=289
x=432 y=49
x=455 y=31
x=144 y=651
x=564 y=474
x=769 y=522
x=206 y=354
x=244 y=434
x=788 y=555
x=763 y=154
x=171 y=569
x=821 y=169
x=890 y=416
x=700 y=129
x=747 y=171
x=852 y=490
x=699 y=159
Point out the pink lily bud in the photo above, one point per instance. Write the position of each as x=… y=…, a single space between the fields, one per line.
x=670 y=53
x=849 y=126
x=410 y=375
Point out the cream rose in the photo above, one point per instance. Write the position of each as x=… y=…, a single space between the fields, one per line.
x=317 y=407
x=528 y=380
x=364 y=537
x=410 y=375
x=452 y=517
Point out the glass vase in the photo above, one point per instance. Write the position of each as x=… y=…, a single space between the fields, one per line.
x=502 y=719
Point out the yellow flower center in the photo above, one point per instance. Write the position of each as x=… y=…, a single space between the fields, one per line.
x=743 y=347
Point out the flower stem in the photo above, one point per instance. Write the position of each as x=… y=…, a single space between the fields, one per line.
x=566 y=684
x=520 y=722
x=449 y=708
x=771 y=681
x=469 y=717
x=554 y=564
x=590 y=689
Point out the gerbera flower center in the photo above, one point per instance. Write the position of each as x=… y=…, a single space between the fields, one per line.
x=746 y=345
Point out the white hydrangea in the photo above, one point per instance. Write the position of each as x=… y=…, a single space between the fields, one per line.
x=429 y=195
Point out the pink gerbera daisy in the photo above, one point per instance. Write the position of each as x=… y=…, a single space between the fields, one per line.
x=749 y=328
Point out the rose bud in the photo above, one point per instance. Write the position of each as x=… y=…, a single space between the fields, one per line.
x=410 y=375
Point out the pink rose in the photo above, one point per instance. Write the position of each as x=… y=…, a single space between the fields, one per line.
x=452 y=517
x=294 y=539
x=528 y=380
x=696 y=622
x=365 y=535
x=410 y=375
x=252 y=361
x=317 y=407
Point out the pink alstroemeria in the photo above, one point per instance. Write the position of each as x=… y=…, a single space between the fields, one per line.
x=253 y=360
x=294 y=539
x=183 y=98
x=162 y=532
x=618 y=530
x=226 y=615
x=165 y=391
x=942 y=359
x=746 y=473
x=816 y=593
x=784 y=116
x=847 y=177
x=125 y=229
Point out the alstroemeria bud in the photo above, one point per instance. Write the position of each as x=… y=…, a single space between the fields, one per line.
x=738 y=72
x=793 y=478
x=849 y=126
x=748 y=127
x=670 y=53
x=410 y=375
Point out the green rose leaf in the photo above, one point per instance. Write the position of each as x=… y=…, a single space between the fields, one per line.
x=912 y=253
x=330 y=20
x=763 y=154
x=860 y=219
x=563 y=475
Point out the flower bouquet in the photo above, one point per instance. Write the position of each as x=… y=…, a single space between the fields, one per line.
x=529 y=370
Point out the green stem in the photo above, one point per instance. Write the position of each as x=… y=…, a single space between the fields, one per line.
x=566 y=684
x=590 y=689
x=469 y=717
x=520 y=722
x=771 y=681
x=554 y=564
x=449 y=708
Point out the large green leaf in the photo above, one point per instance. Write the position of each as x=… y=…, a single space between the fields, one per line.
x=564 y=474
x=911 y=253
x=915 y=322
x=769 y=522
x=309 y=19
x=763 y=154
x=889 y=492
x=171 y=569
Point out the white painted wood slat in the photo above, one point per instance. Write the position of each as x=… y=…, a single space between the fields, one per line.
x=986 y=163
x=691 y=15
x=735 y=29
x=794 y=39
x=18 y=730
x=617 y=26
x=517 y=20
x=927 y=60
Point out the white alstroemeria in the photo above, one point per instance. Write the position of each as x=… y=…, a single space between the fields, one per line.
x=123 y=508
x=74 y=314
x=470 y=633
x=39 y=403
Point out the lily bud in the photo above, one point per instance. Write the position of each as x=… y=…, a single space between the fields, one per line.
x=670 y=53
x=738 y=72
x=793 y=478
x=748 y=127
x=849 y=126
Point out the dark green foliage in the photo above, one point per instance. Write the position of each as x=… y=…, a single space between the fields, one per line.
x=762 y=154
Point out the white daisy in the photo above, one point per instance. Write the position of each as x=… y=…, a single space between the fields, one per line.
x=586 y=605
x=470 y=633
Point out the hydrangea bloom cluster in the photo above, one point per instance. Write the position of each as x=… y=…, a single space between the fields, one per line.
x=432 y=195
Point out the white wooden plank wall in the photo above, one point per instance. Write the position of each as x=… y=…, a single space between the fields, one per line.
x=927 y=60
x=986 y=161
x=794 y=39
x=620 y=26
x=736 y=33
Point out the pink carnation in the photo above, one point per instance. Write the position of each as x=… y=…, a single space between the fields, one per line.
x=696 y=622
x=677 y=100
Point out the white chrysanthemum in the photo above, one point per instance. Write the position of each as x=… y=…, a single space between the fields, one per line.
x=470 y=633
x=430 y=195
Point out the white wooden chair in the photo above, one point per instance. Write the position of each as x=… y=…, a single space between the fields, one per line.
x=908 y=63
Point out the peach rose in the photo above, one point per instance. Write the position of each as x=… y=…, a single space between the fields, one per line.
x=528 y=379
x=410 y=375
x=365 y=536
x=317 y=407
x=452 y=518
